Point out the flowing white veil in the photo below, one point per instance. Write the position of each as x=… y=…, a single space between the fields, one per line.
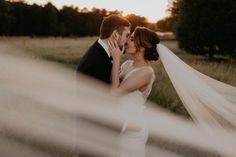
x=210 y=102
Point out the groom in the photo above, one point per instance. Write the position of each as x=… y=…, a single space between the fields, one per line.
x=97 y=61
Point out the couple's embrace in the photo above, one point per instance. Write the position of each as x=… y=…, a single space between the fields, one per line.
x=210 y=103
x=133 y=79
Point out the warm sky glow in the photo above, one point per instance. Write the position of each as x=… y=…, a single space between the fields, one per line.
x=153 y=10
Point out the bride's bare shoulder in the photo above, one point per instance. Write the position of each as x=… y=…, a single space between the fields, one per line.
x=147 y=70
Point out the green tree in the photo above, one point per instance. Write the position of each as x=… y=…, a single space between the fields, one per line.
x=69 y=21
x=165 y=25
x=6 y=18
x=206 y=27
x=136 y=21
x=50 y=20
x=34 y=20
x=19 y=18
x=19 y=12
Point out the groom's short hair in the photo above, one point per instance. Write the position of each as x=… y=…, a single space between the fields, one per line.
x=111 y=23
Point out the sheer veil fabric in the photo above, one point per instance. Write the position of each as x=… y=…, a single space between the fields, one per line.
x=210 y=103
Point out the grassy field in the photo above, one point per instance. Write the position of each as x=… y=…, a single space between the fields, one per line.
x=68 y=51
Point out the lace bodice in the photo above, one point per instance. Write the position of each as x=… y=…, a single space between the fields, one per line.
x=127 y=70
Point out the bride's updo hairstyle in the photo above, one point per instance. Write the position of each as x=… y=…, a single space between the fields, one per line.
x=148 y=39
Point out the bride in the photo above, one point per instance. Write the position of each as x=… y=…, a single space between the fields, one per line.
x=133 y=82
x=210 y=103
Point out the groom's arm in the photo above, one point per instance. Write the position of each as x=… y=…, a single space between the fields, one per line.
x=86 y=66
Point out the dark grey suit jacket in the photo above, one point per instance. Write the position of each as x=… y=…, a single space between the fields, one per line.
x=96 y=63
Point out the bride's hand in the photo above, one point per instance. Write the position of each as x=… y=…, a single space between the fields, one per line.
x=114 y=49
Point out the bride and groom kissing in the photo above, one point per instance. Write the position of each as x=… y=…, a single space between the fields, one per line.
x=102 y=59
x=210 y=102
x=133 y=79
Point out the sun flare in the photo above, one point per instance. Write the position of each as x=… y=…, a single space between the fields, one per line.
x=153 y=10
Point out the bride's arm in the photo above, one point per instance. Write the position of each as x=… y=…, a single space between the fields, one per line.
x=116 y=54
x=136 y=81
x=115 y=77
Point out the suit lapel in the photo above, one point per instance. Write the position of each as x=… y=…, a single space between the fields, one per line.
x=102 y=51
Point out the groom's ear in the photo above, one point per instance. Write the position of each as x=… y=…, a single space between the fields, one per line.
x=115 y=35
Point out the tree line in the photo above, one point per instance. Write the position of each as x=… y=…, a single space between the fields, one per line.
x=205 y=27
x=22 y=19
x=201 y=27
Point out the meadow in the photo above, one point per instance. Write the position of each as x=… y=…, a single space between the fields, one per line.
x=68 y=52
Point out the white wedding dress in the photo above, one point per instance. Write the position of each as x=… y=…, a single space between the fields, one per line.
x=131 y=110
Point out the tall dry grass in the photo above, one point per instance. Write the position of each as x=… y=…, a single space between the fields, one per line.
x=64 y=50
x=68 y=51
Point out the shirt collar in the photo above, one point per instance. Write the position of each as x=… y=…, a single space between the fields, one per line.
x=104 y=46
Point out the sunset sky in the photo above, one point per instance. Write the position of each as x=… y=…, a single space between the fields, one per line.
x=153 y=10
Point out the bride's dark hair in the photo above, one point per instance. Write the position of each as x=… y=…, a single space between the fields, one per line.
x=148 y=39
